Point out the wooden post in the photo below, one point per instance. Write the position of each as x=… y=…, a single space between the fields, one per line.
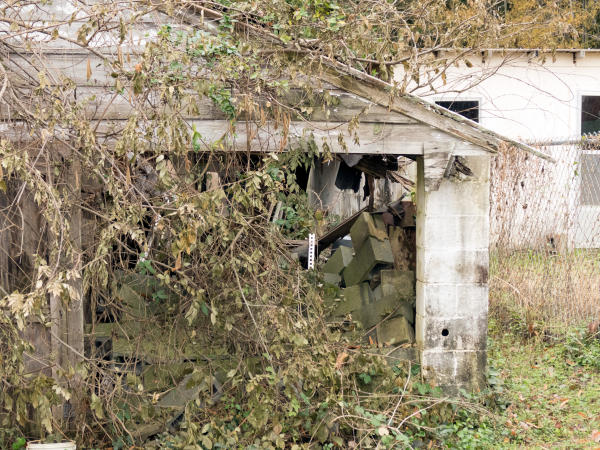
x=68 y=320
x=57 y=314
x=75 y=315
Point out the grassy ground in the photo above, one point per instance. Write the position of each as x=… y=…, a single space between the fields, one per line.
x=540 y=349
x=552 y=400
x=562 y=287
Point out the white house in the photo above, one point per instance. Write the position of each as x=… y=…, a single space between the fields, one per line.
x=549 y=98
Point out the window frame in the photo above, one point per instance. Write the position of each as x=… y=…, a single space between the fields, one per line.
x=584 y=151
x=579 y=109
x=479 y=101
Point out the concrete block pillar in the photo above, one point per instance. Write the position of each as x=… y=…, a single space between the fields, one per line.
x=452 y=276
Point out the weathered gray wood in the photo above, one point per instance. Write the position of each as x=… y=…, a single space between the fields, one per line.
x=450 y=123
x=65 y=64
x=436 y=160
x=5 y=243
x=37 y=361
x=339 y=106
x=396 y=139
x=75 y=315
x=339 y=231
x=331 y=106
x=373 y=138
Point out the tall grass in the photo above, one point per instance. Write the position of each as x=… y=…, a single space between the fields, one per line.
x=557 y=289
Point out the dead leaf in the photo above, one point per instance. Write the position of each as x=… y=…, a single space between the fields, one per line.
x=595 y=437
x=138 y=67
x=178 y=262
x=341 y=358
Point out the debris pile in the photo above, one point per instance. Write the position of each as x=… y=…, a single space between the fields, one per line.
x=377 y=278
x=167 y=361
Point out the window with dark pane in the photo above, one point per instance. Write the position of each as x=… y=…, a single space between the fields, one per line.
x=590 y=114
x=466 y=108
x=590 y=159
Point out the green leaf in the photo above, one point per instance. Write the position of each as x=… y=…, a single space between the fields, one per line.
x=19 y=443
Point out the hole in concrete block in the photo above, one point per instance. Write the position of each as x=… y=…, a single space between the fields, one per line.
x=445 y=332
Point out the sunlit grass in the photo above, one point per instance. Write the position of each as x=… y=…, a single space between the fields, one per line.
x=557 y=289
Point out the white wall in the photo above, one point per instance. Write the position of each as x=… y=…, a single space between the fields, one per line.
x=533 y=99
x=525 y=97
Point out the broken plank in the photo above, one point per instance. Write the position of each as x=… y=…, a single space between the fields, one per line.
x=339 y=231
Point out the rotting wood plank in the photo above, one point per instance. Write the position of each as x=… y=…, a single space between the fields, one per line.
x=396 y=139
x=339 y=231
x=378 y=92
x=75 y=311
x=57 y=316
x=104 y=103
x=66 y=64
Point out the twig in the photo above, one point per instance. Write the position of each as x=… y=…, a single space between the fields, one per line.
x=262 y=341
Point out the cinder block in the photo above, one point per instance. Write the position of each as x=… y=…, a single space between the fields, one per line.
x=436 y=299
x=452 y=301
x=400 y=355
x=453 y=198
x=377 y=293
x=371 y=253
x=454 y=232
x=354 y=298
x=395 y=331
x=438 y=232
x=133 y=302
x=371 y=314
x=379 y=224
x=400 y=284
x=365 y=227
x=455 y=369
x=332 y=278
x=472 y=300
x=340 y=259
x=452 y=266
x=391 y=305
x=437 y=333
